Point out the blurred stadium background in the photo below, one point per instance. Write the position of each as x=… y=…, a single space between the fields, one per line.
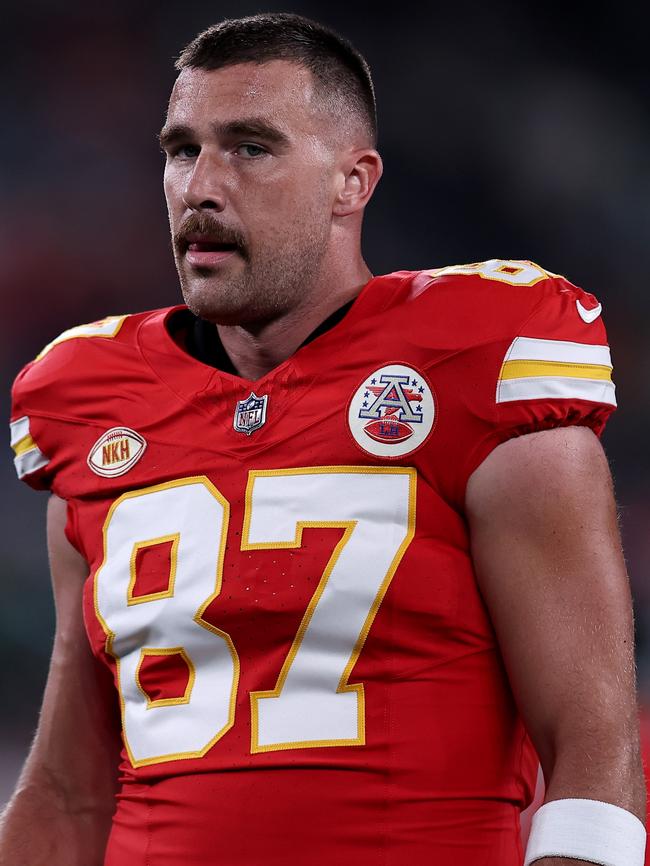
x=507 y=130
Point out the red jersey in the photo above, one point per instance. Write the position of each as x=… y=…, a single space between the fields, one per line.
x=280 y=572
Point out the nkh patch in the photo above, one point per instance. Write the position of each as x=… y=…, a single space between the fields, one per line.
x=117 y=451
x=250 y=414
x=392 y=412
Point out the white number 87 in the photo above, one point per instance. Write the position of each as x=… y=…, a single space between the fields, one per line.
x=312 y=703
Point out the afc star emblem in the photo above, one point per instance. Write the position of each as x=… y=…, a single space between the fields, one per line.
x=250 y=414
x=392 y=412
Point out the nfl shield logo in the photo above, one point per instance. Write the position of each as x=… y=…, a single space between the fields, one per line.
x=250 y=414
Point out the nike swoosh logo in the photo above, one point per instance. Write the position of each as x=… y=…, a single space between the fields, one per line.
x=589 y=316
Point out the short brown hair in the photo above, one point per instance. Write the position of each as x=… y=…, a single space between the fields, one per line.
x=340 y=71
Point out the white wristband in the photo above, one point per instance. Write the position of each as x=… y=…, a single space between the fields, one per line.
x=587 y=830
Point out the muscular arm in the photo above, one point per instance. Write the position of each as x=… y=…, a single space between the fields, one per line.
x=61 y=810
x=548 y=558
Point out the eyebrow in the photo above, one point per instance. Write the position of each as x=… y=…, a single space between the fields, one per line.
x=254 y=126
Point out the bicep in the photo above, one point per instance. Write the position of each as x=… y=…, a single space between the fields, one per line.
x=69 y=571
x=548 y=559
x=77 y=739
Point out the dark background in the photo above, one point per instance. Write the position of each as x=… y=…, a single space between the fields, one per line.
x=506 y=131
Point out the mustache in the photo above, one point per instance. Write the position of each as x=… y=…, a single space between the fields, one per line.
x=205 y=224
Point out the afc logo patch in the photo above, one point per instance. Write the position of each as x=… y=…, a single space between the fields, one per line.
x=392 y=412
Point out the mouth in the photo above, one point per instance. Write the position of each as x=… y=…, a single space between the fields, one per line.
x=202 y=251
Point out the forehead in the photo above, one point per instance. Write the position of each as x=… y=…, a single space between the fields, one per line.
x=279 y=90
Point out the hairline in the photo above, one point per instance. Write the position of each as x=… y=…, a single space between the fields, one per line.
x=326 y=96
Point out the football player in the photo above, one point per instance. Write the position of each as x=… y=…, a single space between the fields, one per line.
x=335 y=555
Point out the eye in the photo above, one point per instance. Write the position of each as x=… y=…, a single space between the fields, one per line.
x=250 y=151
x=185 y=151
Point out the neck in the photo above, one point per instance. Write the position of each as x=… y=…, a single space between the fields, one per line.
x=255 y=349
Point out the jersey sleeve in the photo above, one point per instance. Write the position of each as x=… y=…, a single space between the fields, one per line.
x=48 y=392
x=554 y=371
x=30 y=461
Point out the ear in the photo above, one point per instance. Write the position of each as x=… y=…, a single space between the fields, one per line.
x=359 y=177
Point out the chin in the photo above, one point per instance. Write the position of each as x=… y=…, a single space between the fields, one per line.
x=202 y=296
x=235 y=301
x=210 y=309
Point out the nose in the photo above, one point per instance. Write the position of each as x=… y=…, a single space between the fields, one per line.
x=204 y=189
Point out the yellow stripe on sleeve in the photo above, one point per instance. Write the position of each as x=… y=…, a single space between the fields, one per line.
x=29 y=458
x=526 y=369
x=23 y=445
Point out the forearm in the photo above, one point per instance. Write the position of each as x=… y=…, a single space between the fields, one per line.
x=60 y=813
x=44 y=826
x=603 y=763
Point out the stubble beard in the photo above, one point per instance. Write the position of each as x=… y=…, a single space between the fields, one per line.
x=264 y=286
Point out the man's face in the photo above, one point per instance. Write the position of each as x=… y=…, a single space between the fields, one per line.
x=249 y=183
